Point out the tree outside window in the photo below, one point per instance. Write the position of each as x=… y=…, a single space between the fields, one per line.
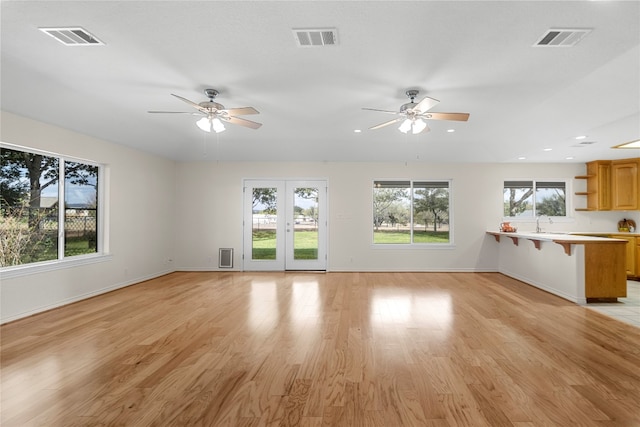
x=31 y=202
x=406 y=212
x=527 y=199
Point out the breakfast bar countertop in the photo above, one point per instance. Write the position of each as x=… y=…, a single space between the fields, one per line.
x=605 y=233
x=565 y=237
x=593 y=268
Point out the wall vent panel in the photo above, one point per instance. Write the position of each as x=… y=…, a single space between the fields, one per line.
x=225 y=258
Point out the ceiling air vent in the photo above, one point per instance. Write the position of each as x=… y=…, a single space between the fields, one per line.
x=584 y=144
x=315 y=37
x=567 y=37
x=72 y=36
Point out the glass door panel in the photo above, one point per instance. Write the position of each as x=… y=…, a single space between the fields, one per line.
x=284 y=225
x=263 y=224
x=305 y=223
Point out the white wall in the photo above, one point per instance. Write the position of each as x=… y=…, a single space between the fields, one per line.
x=210 y=216
x=141 y=214
x=161 y=210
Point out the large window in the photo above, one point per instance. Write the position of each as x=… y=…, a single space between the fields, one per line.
x=411 y=212
x=528 y=199
x=48 y=207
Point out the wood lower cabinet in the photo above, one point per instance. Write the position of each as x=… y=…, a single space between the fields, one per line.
x=625 y=184
x=631 y=252
x=637 y=256
x=630 y=249
x=603 y=270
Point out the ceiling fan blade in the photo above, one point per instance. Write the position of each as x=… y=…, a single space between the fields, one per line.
x=381 y=111
x=460 y=117
x=241 y=111
x=193 y=104
x=390 y=122
x=426 y=104
x=241 y=122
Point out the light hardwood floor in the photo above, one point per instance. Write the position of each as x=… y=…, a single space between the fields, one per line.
x=335 y=349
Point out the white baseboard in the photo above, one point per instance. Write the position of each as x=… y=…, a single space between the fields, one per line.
x=83 y=297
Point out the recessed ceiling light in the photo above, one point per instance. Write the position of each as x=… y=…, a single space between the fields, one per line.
x=522 y=158
x=581 y=137
x=569 y=158
x=451 y=130
x=547 y=149
x=357 y=130
x=630 y=144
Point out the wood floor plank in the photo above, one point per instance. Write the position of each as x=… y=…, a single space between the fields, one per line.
x=321 y=349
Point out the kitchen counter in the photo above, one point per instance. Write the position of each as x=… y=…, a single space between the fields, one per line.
x=575 y=267
x=605 y=233
x=572 y=236
x=632 y=249
x=563 y=239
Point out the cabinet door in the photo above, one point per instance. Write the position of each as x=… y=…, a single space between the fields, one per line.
x=631 y=253
x=624 y=181
x=637 y=272
x=599 y=185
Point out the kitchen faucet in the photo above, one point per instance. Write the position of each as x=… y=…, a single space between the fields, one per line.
x=538 y=229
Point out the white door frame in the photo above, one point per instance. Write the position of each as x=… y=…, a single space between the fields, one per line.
x=284 y=223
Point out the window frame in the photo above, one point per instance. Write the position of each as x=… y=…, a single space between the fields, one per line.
x=411 y=244
x=62 y=261
x=534 y=215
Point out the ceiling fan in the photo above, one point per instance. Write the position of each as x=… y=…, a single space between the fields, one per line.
x=214 y=114
x=413 y=115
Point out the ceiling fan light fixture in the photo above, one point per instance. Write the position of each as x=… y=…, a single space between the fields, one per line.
x=418 y=126
x=217 y=125
x=207 y=124
x=204 y=124
x=405 y=126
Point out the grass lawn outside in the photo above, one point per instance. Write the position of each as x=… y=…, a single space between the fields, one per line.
x=306 y=242
x=264 y=245
x=404 y=237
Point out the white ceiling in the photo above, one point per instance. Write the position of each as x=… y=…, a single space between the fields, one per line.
x=475 y=56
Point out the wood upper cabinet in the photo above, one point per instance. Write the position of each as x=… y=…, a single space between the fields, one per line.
x=598 y=185
x=625 y=184
x=612 y=185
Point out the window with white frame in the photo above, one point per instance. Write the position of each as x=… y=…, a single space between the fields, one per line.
x=411 y=212
x=528 y=199
x=48 y=207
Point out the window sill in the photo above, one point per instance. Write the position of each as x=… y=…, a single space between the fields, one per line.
x=42 y=267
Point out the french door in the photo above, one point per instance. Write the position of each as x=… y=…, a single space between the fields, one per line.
x=285 y=225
